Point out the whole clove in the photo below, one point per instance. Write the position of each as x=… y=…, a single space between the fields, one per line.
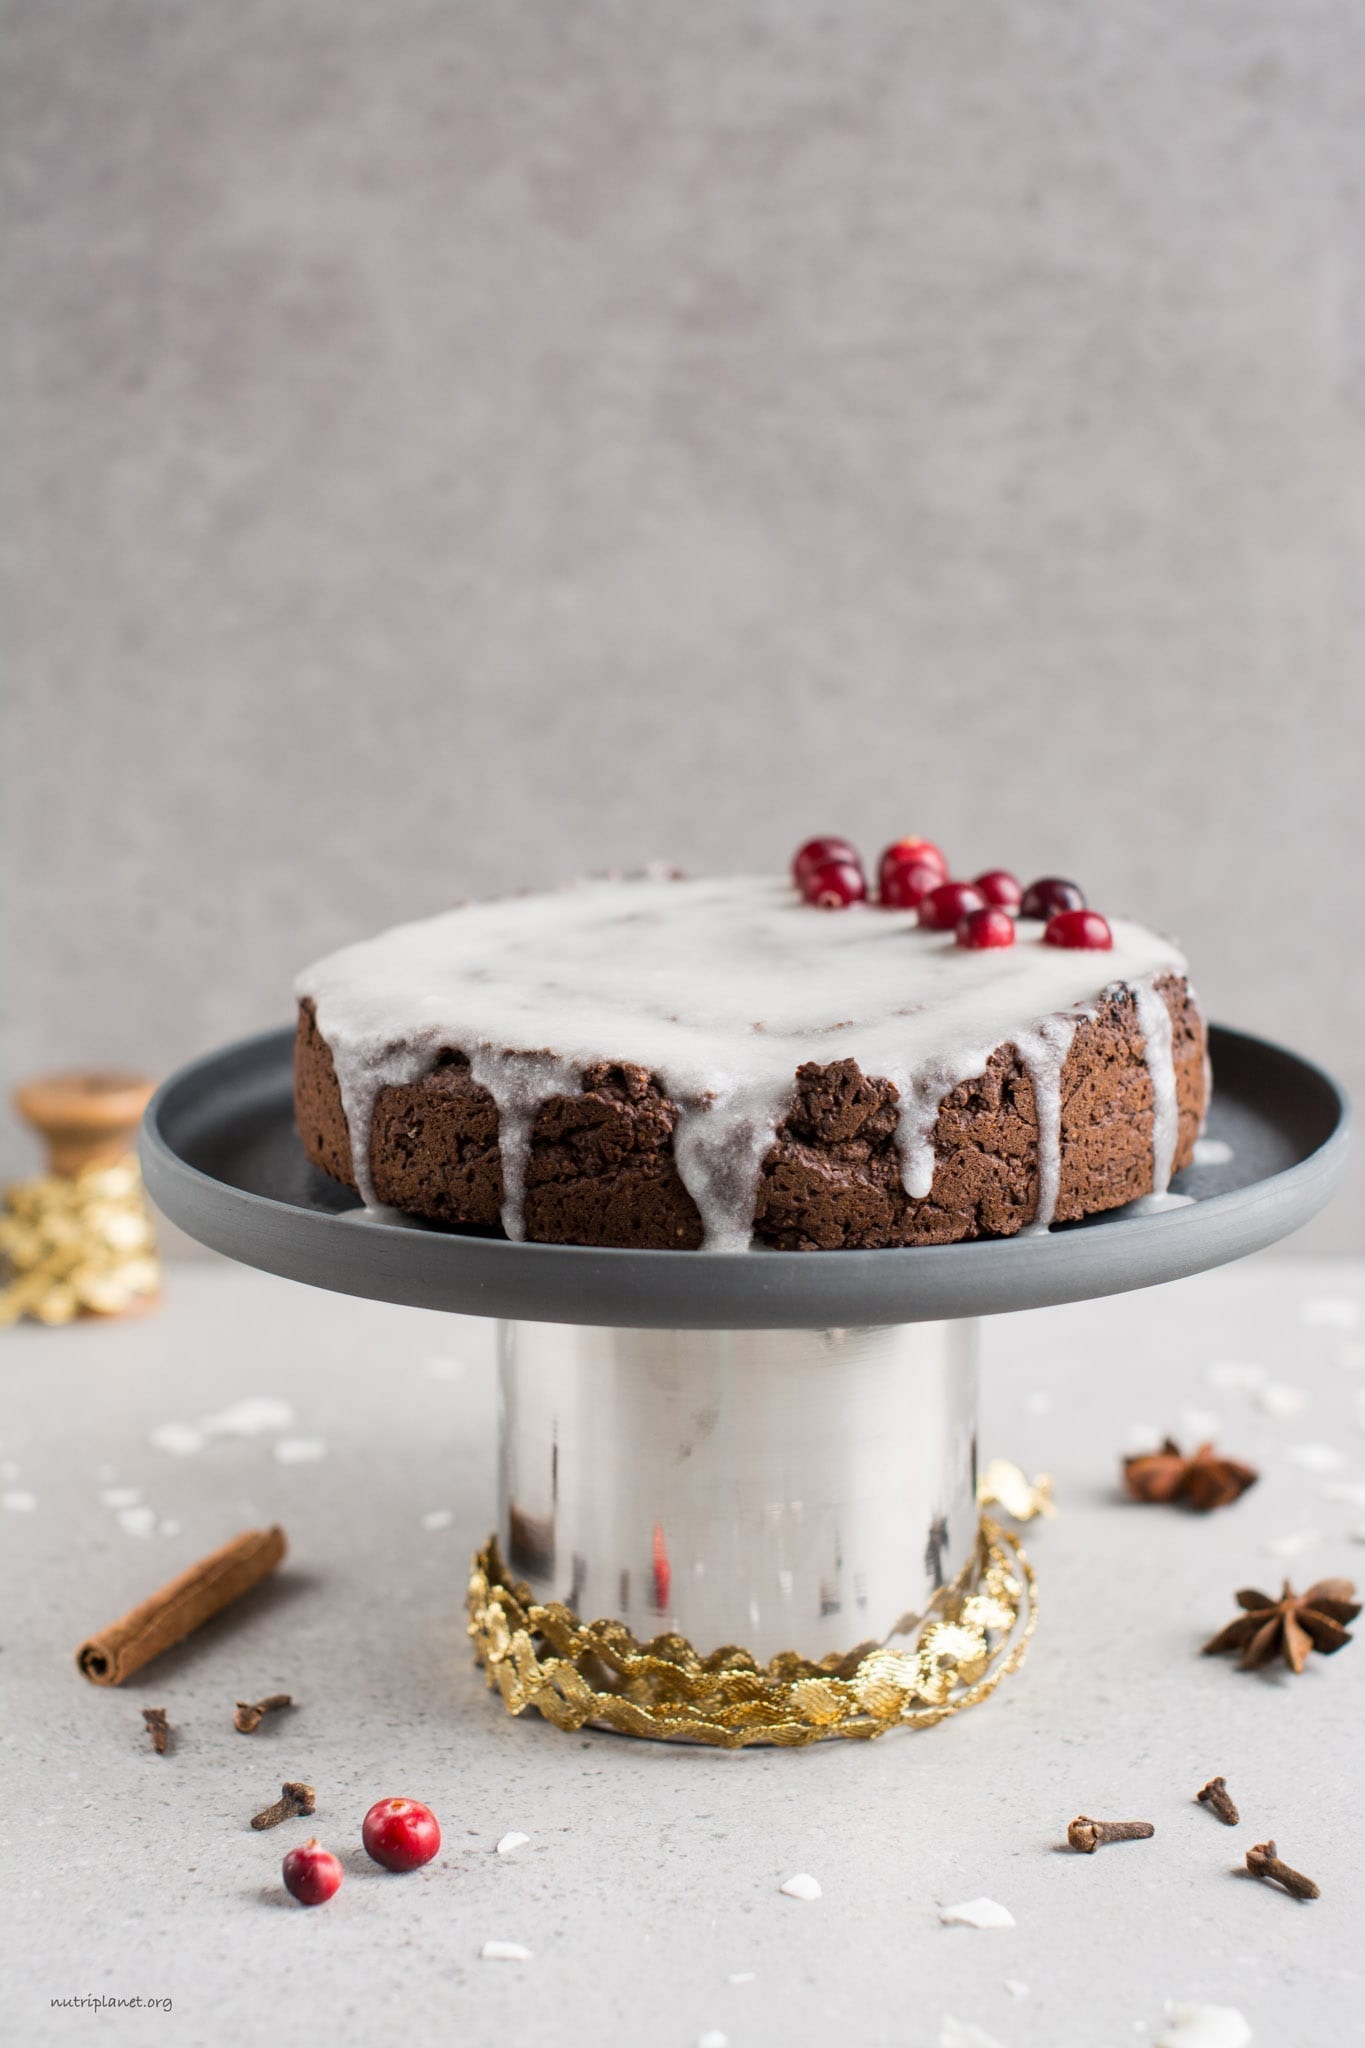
x=158 y=1727
x=1087 y=1835
x=1262 y=1861
x=1216 y=1796
x=294 y=1799
x=251 y=1713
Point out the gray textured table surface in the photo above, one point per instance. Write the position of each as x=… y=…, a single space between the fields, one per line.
x=649 y=1885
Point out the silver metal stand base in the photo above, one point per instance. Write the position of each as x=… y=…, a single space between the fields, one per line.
x=805 y=1490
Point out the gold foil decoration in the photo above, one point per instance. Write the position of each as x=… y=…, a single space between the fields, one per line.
x=78 y=1240
x=80 y=1246
x=1006 y=1485
x=577 y=1673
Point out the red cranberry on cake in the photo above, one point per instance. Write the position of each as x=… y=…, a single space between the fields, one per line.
x=944 y=908
x=1046 y=897
x=1000 y=888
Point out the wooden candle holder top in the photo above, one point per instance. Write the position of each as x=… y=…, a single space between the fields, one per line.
x=85 y=1120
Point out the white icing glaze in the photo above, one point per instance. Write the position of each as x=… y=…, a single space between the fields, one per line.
x=519 y=1082
x=1206 y=1062
x=1043 y=1052
x=1154 y=1022
x=723 y=989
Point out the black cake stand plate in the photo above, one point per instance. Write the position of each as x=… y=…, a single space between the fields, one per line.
x=223 y=1160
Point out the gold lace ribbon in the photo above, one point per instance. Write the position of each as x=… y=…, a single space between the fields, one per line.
x=574 y=1672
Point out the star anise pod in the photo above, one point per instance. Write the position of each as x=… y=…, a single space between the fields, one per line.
x=1201 y=1481
x=1290 y=1626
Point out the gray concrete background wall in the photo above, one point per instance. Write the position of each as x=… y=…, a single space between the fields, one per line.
x=452 y=446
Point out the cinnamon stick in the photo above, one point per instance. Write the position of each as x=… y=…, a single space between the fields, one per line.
x=177 y=1609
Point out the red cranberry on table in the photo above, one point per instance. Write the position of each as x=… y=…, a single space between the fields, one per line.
x=999 y=887
x=817 y=851
x=402 y=1834
x=904 y=883
x=834 y=884
x=989 y=927
x=1084 y=930
x=311 y=1874
x=944 y=908
x=1046 y=897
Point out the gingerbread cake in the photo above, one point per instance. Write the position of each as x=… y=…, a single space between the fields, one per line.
x=665 y=1063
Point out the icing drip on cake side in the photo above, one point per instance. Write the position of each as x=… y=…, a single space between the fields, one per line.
x=519 y=1083
x=1206 y=1062
x=1043 y=1053
x=363 y=1073
x=722 y=989
x=1154 y=1021
x=719 y=1150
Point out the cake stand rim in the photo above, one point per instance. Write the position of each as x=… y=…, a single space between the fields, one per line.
x=763 y=1288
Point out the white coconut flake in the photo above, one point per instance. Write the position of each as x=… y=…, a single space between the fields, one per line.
x=140 y=1521
x=504 y=1952
x=1200 y=1423
x=1281 y=1401
x=1142 y=1436
x=977 y=1913
x=802 y=1886
x=255 y=1415
x=1203 y=2026
x=438 y=1518
x=713 y=2038
x=300 y=1450
x=180 y=1439
x=1039 y=1402
x=1345 y=1489
x=120 y=1496
x=1016 y=1988
x=1316 y=1457
x=1292 y=1545
x=962 y=2034
x=1236 y=1376
x=512 y=1842
x=19 y=1502
x=1331 y=1312
x=741 y=1977
x=1212 y=1152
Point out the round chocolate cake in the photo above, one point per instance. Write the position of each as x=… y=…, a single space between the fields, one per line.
x=654 y=1062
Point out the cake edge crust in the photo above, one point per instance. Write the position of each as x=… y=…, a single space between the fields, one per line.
x=601 y=1169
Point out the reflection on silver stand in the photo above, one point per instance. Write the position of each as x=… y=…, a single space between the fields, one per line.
x=803 y=1490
